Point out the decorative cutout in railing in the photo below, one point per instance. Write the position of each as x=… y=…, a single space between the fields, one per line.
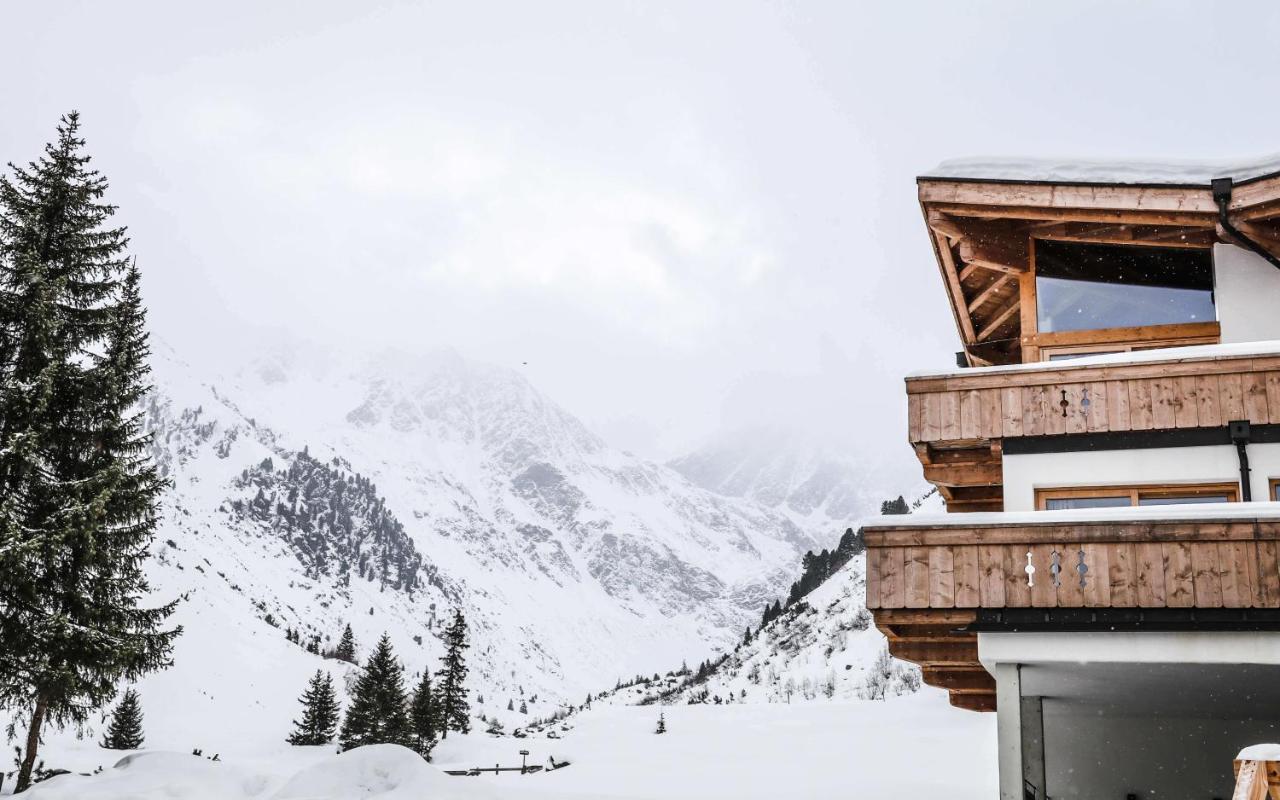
x=1082 y=568
x=1055 y=567
x=1030 y=569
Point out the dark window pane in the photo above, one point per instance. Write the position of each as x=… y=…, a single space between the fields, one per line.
x=1058 y=503
x=1069 y=356
x=1179 y=500
x=1087 y=287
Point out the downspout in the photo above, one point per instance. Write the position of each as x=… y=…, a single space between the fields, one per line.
x=1222 y=196
x=1239 y=430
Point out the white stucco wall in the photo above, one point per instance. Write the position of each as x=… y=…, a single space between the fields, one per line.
x=1247 y=295
x=1023 y=474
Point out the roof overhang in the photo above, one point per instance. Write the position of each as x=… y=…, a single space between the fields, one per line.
x=982 y=230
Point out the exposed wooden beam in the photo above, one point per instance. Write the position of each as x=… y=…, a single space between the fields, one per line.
x=961 y=680
x=999 y=319
x=1030 y=213
x=982 y=296
x=961 y=652
x=974 y=702
x=940 y=223
x=995 y=255
x=948 y=263
x=964 y=474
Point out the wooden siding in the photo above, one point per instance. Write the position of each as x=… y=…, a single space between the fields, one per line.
x=1208 y=392
x=1176 y=564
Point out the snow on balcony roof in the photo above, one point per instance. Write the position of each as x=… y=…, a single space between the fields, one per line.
x=1076 y=171
x=1224 y=512
x=1163 y=354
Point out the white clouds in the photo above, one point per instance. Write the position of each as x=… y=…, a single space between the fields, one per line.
x=674 y=214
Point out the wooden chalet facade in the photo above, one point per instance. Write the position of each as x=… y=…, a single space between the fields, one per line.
x=1116 y=404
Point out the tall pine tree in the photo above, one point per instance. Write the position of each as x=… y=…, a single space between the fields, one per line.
x=78 y=491
x=125 y=730
x=455 y=713
x=319 y=712
x=346 y=646
x=379 y=712
x=424 y=716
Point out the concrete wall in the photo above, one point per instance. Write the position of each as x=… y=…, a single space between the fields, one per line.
x=1247 y=295
x=1023 y=474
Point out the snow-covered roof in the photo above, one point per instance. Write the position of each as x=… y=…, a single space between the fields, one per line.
x=1223 y=512
x=1072 y=170
x=1163 y=354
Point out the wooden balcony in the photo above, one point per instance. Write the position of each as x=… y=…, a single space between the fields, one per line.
x=958 y=423
x=932 y=582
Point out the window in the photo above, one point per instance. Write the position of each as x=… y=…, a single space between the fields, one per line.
x=1275 y=490
x=1118 y=496
x=1091 y=286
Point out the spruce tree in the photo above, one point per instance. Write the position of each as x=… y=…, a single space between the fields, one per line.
x=662 y=724
x=423 y=716
x=78 y=491
x=319 y=712
x=125 y=730
x=379 y=712
x=346 y=646
x=454 y=712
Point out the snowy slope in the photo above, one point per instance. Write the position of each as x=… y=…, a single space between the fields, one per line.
x=821 y=649
x=915 y=746
x=311 y=492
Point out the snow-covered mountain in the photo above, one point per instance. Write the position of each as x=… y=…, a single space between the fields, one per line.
x=822 y=648
x=781 y=469
x=312 y=492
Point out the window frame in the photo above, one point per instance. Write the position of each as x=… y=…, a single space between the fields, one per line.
x=1272 y=484
x=1037 y=346
x=1138 y=491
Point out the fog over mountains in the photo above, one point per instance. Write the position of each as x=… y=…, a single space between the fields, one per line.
x=308 y=492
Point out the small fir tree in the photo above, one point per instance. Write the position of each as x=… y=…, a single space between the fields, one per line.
x=454 y=711
x=125 y=730
x=423 y=716
x=346 y=646
x=319 y=712
x=662 y=724
x=379 y=712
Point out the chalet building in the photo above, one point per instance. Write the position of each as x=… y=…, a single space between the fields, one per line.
x=1112 y=435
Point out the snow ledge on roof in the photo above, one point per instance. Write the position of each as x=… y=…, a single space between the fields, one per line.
x=1075 y=170
x=1172 y=513
x=1163 y=354
x=1260 y=752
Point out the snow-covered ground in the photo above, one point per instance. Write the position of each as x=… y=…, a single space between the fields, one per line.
x=911 y=746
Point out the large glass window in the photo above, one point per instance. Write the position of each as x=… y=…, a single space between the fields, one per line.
x=1091 y=286
x=1115 y=496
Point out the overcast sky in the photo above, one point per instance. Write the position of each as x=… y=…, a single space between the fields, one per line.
x=685 y=217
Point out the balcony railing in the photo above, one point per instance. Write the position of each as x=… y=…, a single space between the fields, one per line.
x=934 y=581
x=959 y=423
x=1222 y=556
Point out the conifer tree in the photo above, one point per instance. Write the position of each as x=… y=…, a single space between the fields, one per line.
x=319 y=712
x=423 y=716
x=125 y=730
x=379 y=712
x=346 y=646
x=78 y=491
x=662 y=724
x=452 y=675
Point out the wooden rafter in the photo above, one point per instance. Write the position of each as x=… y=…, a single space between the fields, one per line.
x=999 y=319
x=984 y=295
